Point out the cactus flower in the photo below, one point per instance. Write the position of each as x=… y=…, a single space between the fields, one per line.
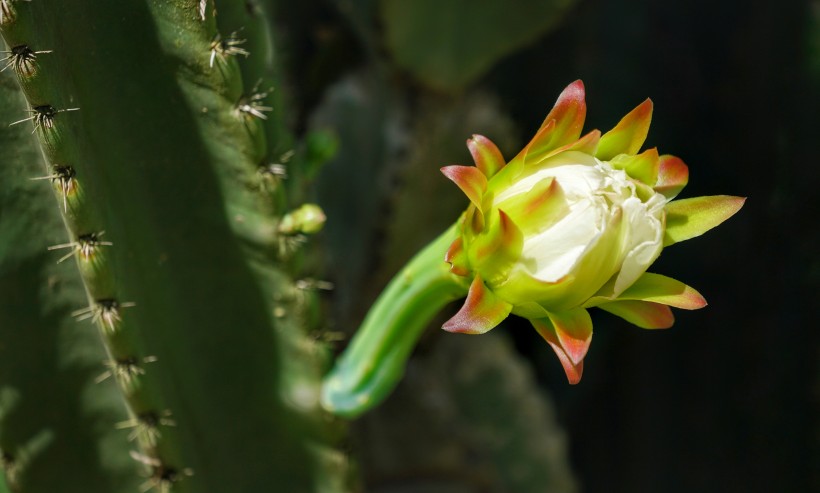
x=572 y=222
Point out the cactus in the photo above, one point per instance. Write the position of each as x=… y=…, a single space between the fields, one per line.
x=157 y=147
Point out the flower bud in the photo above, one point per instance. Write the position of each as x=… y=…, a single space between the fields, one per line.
x=570 y=223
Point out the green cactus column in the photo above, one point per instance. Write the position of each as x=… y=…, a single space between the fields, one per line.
x=190 y=285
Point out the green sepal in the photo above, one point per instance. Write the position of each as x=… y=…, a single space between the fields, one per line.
x=644 y=314
x=545 y=328
x=482 y=311
x=665 y=290
x=574 y=329
x=689 y=218
x=561 y=127
x=457 y=257
x=643 y=167
x=673 y=175
x=494 y=252
x=628 y=135
x=470 y=180
x=657 y=289
x=539 y=208
x=486 y=155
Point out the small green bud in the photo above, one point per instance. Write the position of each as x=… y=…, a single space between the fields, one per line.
x=307 y=219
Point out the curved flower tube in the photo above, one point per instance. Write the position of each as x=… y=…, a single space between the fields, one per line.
x=571 y=223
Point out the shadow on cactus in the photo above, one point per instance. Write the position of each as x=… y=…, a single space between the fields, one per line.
x=571 y=223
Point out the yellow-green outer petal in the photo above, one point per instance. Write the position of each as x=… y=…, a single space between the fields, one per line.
x=628 y=135
x=644 y=314
x=665 y=290
x=689 y=218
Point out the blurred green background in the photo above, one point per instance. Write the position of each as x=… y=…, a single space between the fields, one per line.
x=727 y=400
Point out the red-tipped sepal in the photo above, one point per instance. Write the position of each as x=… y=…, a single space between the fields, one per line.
x=673 y=175
x=495 y=251
x=482 y=311
x=628 y=135
x=574 y=371
x=574 y=330
x=688 y=218
x=457 y=258
x=643 y=167
x=644 y=314
x=562 y=126
x=486 y=155
x=470 y=180
x=665 y=290
x=540 y=208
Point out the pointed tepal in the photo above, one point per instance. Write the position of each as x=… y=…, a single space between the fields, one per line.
x=481 y=312
x=486 y=155
x=470 y=180
x=628 y=135
x=689 y=218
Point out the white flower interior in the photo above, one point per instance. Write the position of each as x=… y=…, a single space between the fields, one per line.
x=594 y=191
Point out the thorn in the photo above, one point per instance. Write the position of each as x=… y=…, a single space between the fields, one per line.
x=289 y=244
x=104 y=312
x=274 y=171
x=162 y=477
x=230 y=46
x=314 y=284
x=6 y=14
x=126 y=370
x=203 y=5
x=85 y=246
x=22 y=58
x=146 y=425
x=252 y=105
x=64 y=175
x=43 y=115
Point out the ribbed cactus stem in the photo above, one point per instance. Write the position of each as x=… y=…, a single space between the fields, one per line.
x=107 y=310
x=158 y=155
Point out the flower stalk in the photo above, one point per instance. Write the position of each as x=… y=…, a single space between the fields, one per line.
x=373 y=363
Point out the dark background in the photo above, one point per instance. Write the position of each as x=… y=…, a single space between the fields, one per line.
x=727 y=400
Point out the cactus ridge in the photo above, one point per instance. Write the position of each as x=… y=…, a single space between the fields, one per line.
x=105 y=310
x=146 y=293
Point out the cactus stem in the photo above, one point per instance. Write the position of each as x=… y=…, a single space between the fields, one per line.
x=104 y=312
x=225 y=47
x=252 y=105
x=22 y=58
x=64 y=176
x=125 y=370
x=85 y=245
x=43 y=115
